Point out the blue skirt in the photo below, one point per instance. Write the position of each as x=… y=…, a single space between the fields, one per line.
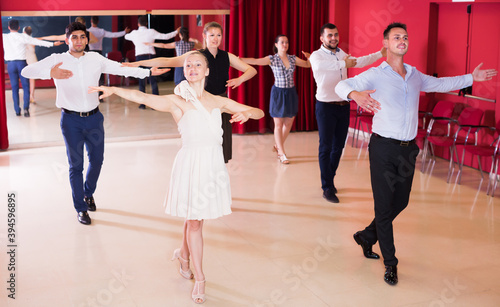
x=284 y=102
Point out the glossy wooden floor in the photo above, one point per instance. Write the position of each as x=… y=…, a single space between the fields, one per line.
x=283 y=245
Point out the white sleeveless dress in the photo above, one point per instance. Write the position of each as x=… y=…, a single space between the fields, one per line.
x=199 y=185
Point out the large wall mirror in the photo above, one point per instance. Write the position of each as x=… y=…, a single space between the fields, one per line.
x=123 y=119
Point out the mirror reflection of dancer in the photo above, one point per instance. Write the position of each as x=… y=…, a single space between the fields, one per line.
x=185 y=44
x=15 y=45
x=139 y=37
x=199 y=185
x=81 y=121
x=284 y=102
x=392 y=92
x=219 y=62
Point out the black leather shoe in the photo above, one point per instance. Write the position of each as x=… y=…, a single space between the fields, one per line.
x=26 y=113
x=18 y=114
x=90 y=203
x=84 y=218
x=391 y=274
x=330 y=196
x=367 y=247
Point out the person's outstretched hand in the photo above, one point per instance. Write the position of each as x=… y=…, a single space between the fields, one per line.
x=155 y=71
x=240 y=117
x=59 y=73
x=106 y=91
x=365 y=101
x=483 y=74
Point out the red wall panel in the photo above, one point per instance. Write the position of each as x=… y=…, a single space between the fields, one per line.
x=67 y=5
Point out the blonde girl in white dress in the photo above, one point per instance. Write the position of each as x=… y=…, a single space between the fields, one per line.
x=199 y=185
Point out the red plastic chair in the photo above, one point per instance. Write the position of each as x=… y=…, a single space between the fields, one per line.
x=423 y=117
x=363 y=118
x=130 y=55
x=484 y=149
x=442 y=109
x=462 y=128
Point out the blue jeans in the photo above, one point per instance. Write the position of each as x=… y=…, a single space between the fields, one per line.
x=333 y=125
x=152 y=79
x=14 y=69
x=78 y=131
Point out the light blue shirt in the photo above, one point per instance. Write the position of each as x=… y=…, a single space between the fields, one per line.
x=398 y=97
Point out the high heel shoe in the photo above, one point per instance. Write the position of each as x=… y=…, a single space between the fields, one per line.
x=284 y=159
x=275 y=149
x=186 y=274
x=198 y=298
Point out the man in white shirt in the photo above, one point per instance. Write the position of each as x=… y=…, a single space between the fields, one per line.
x=329 y=65
x=392 y=92
x=81 y=121
x=100 y=33
x=145 y=52
x=14 y=46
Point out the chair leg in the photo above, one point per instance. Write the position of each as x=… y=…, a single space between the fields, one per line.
x=424 y=154
x=495 y=178
x=460 y=167
x=358 y=123
x=480 y=167
x=354 y=132
x=451 y=166
x=490 y=175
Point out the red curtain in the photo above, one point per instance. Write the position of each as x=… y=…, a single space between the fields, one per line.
x=253 y=26
x=4 y=134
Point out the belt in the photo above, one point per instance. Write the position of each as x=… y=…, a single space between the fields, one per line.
x=400 y=143
x=339 y=103
x=81 y=114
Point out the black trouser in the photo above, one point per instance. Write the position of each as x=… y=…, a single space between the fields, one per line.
x=392 y=166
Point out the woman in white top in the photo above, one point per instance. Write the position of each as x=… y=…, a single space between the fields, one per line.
x=30 y=59
x=199 y=185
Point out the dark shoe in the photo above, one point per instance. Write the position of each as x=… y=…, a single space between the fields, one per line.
x=391 y=274
x=330 y=196
x=84 y=218
x=367 y=247
x=18 y=114
x=142 y=106
x=26 y=113
x=334 y=189
x=90 y=203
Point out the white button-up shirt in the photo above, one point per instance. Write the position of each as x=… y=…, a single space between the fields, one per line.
x=398 y=97
x=329 y=68
x=145 y=35
x=14 y=45
x=72 y=93
x=100 y=34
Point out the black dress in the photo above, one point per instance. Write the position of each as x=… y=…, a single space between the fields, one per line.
x=216 y=85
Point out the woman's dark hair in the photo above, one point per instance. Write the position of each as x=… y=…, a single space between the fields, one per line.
x=185 y=34
x=28 y=30
x=276 y=40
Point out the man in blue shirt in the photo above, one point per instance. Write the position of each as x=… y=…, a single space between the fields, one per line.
x=392 y=91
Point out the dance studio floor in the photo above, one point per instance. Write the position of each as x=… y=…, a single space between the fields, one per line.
x=283 y=245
